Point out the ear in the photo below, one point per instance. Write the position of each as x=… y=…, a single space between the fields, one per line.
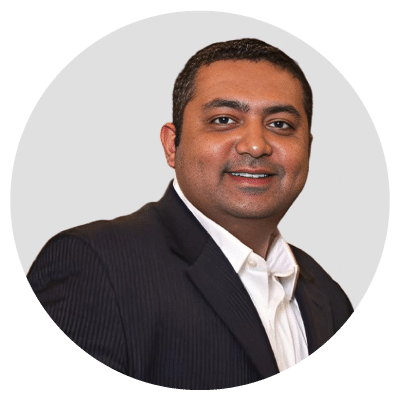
x=309 y=145
x=167 y=137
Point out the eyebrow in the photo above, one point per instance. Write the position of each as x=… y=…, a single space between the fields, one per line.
x=235 y=104
x=244 y=107
x=281 y=108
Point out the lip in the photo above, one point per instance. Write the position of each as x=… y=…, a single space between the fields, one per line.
x=252 y=171
x=247 y=181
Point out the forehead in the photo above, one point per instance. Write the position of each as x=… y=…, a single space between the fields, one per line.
x=251 y=81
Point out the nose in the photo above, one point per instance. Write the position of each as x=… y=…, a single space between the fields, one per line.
x=254 y=141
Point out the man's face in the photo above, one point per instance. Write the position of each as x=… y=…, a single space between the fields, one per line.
x=245 y=143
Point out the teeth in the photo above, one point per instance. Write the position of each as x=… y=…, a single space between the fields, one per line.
x=246 y=175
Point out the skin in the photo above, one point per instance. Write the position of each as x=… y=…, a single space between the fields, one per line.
x=244 y=117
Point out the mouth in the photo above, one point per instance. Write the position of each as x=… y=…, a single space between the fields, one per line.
x=249 y=175
x=252 y=178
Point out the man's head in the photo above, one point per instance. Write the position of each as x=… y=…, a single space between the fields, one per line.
x=245 y=138
x=242 y=49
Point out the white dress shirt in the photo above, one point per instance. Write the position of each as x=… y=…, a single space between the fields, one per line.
x=270 y=283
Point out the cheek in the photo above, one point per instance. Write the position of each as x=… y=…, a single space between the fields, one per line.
x=213 y=154
x=295 y=161
x=196 y=165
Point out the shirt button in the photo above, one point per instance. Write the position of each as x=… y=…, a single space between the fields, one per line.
x=252 y=263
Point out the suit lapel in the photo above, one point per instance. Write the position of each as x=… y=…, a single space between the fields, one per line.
x=215 y=278
x=314 y=307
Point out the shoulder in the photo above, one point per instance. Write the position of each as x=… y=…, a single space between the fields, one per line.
x=144 y=220
x=312 y=272
x=125 y=231
x=100 y=242
x=310 y=268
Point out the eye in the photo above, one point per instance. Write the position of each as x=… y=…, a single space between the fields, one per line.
x=223 y=121
x=279 y=125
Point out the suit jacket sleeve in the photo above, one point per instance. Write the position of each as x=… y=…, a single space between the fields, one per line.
x=73 y=286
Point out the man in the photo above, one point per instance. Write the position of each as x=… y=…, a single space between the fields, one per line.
x=200 y=290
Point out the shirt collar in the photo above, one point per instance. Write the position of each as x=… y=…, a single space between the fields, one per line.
x=282 y=264
x=280 y=259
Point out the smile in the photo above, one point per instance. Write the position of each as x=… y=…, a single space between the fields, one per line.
x=247 y=175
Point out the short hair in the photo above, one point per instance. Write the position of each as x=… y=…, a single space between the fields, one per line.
x=241 y=49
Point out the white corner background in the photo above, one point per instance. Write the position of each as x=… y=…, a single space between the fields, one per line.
x=81 y=157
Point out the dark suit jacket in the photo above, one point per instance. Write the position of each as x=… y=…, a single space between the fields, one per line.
x=152 y=296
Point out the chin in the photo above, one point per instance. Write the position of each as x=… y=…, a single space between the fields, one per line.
x=247 y=212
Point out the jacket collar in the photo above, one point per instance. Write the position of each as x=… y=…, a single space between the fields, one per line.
x=314 y=305
x=186 y=236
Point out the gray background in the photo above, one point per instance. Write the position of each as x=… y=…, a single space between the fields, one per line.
x=91 y=148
